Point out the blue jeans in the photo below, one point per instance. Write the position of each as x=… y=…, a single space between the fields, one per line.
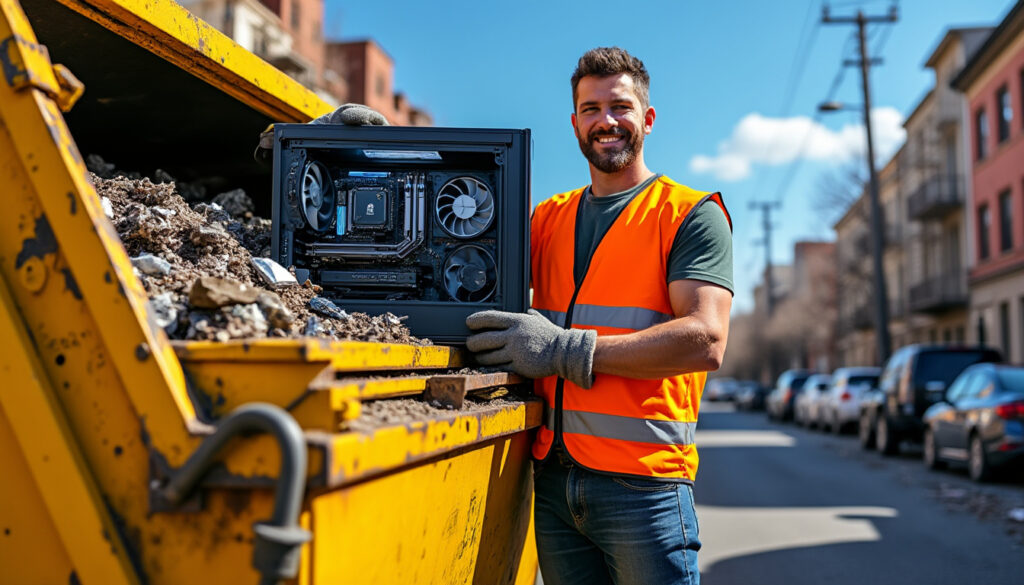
x=595 y=529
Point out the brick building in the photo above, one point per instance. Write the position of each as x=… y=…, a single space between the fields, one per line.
x=288 y=34
x=993 y=83
x=370 y=74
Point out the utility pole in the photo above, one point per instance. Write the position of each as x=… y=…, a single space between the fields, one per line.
x=766 y=208
x=877 y=222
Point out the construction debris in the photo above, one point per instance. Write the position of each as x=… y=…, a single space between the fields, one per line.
x=205 y=266
x=273 y=273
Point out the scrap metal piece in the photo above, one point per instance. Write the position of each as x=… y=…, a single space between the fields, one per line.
x=273 y=273
x=450 y=391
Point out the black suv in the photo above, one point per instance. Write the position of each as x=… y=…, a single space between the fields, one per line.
x=915 y=377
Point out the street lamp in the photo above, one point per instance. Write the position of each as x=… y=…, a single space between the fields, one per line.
x=877 y=241
x=835 y=106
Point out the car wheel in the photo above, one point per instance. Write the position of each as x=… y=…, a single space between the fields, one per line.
x=931 y=452
x=866 y=432
x=977 y=465
x=836 y=427
x=886 y=441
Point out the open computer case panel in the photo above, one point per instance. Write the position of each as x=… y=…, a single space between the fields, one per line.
x=432 y=223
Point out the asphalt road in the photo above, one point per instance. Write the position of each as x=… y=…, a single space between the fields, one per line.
x=782 y=505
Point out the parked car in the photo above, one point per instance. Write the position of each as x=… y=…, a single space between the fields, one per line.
x=913 y=379
x=807 y=407
x=841 y=407
x=979 y=421
x=751 y=396
x=720 y=389
x=780 y=402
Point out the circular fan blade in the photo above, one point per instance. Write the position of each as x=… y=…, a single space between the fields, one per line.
x=318 y=201
x=464 y=207
x=470 y=274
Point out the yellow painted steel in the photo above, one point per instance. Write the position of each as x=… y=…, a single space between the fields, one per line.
x=26 y=528
x=167 y=29
x=355 y=456
x=342 y=356
x=463 y=519
x=63 y=227
x=61 y=475
x=78 y=343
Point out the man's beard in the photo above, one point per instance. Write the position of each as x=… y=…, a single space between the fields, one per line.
x=616 y=160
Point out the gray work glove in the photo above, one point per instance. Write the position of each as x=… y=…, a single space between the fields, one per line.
x=530 y=345
x=346 y=114
x=353 y=115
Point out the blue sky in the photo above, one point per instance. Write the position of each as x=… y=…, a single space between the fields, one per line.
x=735 y=85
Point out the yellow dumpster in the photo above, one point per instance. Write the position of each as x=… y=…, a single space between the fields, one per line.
x=130 y=459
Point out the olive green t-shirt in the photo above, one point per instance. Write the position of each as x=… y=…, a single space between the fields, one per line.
x=702 y=249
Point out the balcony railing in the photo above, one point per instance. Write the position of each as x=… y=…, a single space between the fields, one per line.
x=937 y=197
x=939 y=294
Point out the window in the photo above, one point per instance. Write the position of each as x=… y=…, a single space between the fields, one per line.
x=1005 y=221
x=984 y=227
x=1022 y=94
x=1004 y=328
x=958 y=389
x=981 y=330
x=980 y=134
x=1004 y=112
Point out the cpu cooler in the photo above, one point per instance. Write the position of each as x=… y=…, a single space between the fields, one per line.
x=431 y=223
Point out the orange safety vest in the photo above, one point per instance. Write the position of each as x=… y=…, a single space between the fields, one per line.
x=620 y=425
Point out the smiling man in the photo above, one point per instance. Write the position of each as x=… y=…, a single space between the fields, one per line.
x=632 y=280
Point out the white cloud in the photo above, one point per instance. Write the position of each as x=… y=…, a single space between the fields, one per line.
x=759 y=139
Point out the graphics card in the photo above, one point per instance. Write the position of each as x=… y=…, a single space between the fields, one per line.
x=426 y=222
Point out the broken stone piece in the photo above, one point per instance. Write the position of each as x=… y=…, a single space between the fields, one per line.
x=210 y=292
x=235 y=202
x=252 y=316
x=327 y=308
x=275 y=310
x=108 y=207
x=165 y=313
x=152 y=265
x=207 y=235
x=273 y=273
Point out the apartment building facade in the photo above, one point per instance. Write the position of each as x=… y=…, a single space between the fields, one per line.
x=993 y=83
x=924 y=192
x=935 y=181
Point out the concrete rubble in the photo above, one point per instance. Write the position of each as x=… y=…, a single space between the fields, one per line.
x=205 y=266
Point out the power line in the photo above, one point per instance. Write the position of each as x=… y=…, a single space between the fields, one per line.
x=796 y=71
x=806 y=140
x=884 y=341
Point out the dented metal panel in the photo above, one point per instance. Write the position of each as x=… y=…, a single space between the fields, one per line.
x=113 y=410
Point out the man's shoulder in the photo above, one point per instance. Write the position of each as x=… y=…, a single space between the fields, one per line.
x=680 y=188
x=558 y=200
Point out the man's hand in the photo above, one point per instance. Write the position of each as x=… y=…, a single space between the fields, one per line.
x=530 y=345
x=353 y=115
x=345 y=114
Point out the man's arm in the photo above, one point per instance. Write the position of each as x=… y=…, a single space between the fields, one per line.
x=692 y=342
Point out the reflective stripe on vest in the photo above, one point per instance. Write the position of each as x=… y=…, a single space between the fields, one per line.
x=623 y=428
x=636 y=318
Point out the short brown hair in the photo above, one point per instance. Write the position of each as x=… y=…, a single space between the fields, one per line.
x=605 y=61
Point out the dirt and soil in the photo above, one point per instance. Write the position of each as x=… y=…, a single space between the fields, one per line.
x=217 y=239
x=194 y=258
x=385 y=413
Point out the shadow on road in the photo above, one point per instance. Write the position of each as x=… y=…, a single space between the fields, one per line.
x=781 y=504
